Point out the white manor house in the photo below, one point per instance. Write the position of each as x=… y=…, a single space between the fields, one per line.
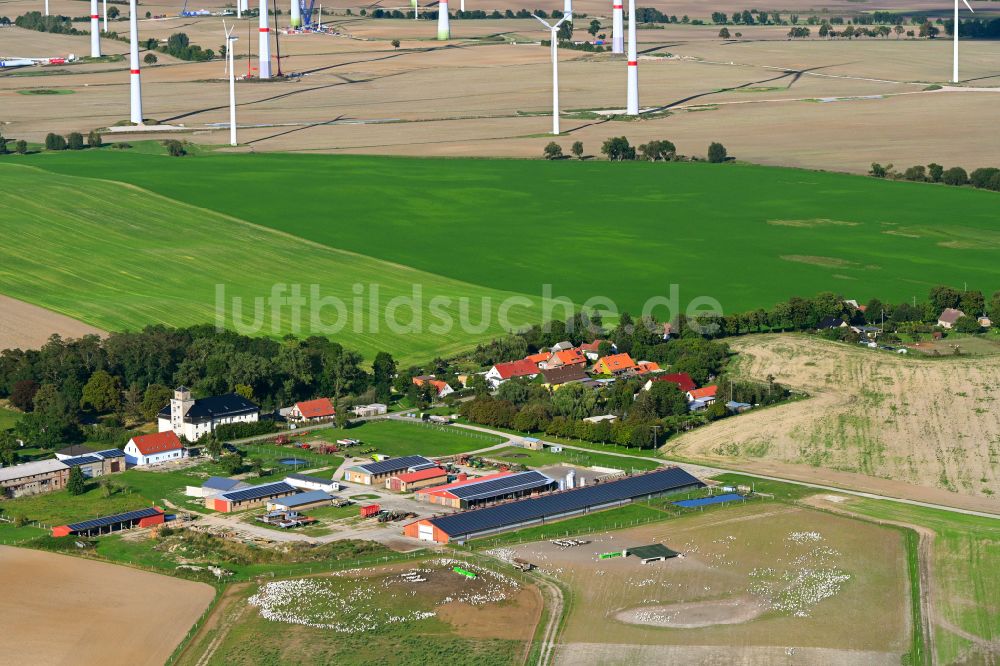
x=190 y=418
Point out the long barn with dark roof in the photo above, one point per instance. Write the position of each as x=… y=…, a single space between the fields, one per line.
x=551 y=507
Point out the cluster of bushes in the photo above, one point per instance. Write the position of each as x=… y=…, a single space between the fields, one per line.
x=61 y=25
x=19 y=146
x=986 y=178
x=179 y=46
x=72 y=141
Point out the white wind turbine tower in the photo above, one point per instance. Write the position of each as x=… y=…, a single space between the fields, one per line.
x=617 y=32
x=104 y=7
x=230 y=38
x=553 y=30
x=954 y=66
x=135 y=87
x=95 y=31
x=632 y=105
x=444 y=27
x=264 y=51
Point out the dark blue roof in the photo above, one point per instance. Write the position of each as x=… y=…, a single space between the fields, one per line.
x=502 y=486
x=496 y=517
x=220 y=483
x=217 y=406
x=81 y=460
x=107 y=521
x=395 y=465
x=110 y=453
x=258 y=492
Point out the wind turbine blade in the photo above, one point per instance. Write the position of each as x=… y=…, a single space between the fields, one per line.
x=969 y=6
x=542 y=22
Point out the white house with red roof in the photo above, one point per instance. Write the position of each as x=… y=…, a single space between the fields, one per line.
x=441 y=387
x=682 y=380
x=313 y=410
x=705 y=395
x=154 y=448
x=501 y=372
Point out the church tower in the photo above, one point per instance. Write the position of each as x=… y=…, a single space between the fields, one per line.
x=179 y=406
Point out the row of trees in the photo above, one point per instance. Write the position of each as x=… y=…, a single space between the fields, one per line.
x=127 y=377
x=379 y=13
x=72 y=141
x=986 y=178
x=53 y=23
x=618 y=149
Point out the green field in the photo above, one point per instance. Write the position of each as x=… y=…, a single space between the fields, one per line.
x=965 y=559
x=746 y=235
x=8 y=417
x=401 y=438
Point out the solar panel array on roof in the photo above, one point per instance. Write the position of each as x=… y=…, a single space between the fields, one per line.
x=502 y=486
x=395 y=464
x=81 y=460
x=258 y=492
x=526 y=510
x=106 y=521
x=110 y=453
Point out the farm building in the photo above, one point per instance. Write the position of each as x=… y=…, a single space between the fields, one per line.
x=705 y=395
x=301 y=501
x=306 y=482
x=949 y=316
x=555 y=506
x=249 y=497
x=73 y=451
x=407 y=482
x=33 y=478
x=98 y=463
x=190 y=418
x=375 y=473
x=488 y=490
x=116 y=523
x=312 y=410
x=682 y=380
x=154 y=448
x=442 y=494
x=532 y=443
x=214 y=485
x=501 y=372
x=573 y=476
x=566 y=374
x=654 y=552
x=374 y=409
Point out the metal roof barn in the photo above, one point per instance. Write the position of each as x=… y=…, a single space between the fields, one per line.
x=521 y=513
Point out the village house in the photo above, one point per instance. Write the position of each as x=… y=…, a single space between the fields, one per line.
x=567 y=374
x=441 y=388
x=704 y=395
x=191 y=419
x=949 y=317
x=682 y=380
x=616 y=365
x=501 y=372
x=563 y=358
x=312 y=410
x=590 y=349
x=155 y=448
x=539 y=358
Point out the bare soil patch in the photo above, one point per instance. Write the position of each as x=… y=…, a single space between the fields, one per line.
x=61 y=609
x=693 y=615
x=27 y=326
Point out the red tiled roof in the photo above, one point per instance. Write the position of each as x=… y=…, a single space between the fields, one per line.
x=439 y=490
x=157 y=442
x=648 y=366
x=617 y=362
x=520 y=368
x=707 y=392
x=315 y=409
x=540 y=357
x=422 y=474
x=436 y=383
x=681 y=379
x=570 y=356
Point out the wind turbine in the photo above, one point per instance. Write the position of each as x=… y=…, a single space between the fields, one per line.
x=954 y=69
x=95 y=31
x=296 y=19
x=617 y=33
x=444 y=27
x=553 y=30
x=135 y=87
x=632 y=104
x=104 y=7
x=230 y=38
x=264 y=51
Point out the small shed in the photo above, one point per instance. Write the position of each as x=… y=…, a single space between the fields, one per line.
x=655 y=552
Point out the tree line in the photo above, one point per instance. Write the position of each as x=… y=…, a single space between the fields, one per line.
x=985 y=178
x=618 y=149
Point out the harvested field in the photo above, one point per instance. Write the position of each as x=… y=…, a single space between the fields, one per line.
x=27 y=326
x=482 y=94
x=61 y=609
x=921 y=428
x=751 y=579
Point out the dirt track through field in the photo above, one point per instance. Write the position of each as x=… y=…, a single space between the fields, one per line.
x=66 y=610
x=922 y=429
x=27 y=326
